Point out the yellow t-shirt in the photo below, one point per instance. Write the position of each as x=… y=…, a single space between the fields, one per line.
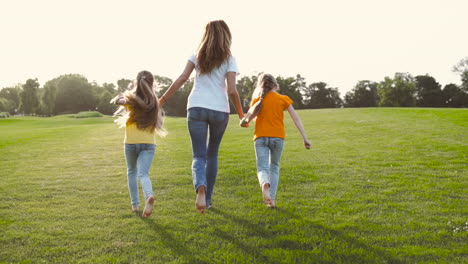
x=134 y=135
x=270 y=118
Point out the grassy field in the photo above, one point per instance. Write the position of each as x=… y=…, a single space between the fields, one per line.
x=379 y=185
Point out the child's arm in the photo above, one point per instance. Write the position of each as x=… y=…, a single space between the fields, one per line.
x=118 y=100
x=178 y=83
x=299 y=126
x=233 y=94
x=251 y=114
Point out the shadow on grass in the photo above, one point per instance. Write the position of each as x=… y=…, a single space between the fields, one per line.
x=177 y=247
x=278 y=236
x=253 y=230
x=301 y=239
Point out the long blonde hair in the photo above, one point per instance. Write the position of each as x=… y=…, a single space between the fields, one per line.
x=215 y=46
x=142 y=106
x=265 y=83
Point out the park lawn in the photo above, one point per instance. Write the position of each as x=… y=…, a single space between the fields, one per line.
x=380 y=185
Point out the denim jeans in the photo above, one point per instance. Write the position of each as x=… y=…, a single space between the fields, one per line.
x=139 y=158
x=205 y=156
x=268 y=151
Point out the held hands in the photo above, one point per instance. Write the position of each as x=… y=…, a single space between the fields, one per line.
x=244 y=122
x=307 y=143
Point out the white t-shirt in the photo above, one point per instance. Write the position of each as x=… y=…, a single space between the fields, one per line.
x=210 y=90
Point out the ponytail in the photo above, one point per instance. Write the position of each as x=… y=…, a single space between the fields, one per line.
x=265 y=83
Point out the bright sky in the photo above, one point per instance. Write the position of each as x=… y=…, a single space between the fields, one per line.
x=337 y=42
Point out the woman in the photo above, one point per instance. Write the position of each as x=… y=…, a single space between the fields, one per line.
x=208 y=105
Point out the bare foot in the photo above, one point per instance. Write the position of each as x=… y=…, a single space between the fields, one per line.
x=272 y=204
x=135 y=209
x=148 y=206
x=266 y=193
x=200 y=202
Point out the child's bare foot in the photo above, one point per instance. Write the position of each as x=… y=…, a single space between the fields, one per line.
x=266 y=193
x=148 y=206
x=272 y=204
x=200 y=202
x=135 y=209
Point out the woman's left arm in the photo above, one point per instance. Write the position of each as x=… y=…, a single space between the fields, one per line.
x=233 y=94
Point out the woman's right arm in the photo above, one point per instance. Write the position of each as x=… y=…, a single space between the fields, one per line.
x=178 y=83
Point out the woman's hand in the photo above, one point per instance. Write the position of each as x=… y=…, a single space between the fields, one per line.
x=243 y=122
x=307 y=144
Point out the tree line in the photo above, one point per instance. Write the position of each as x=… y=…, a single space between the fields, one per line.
x=72 y=93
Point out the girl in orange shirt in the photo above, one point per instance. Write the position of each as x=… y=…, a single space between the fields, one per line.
x=269 y=133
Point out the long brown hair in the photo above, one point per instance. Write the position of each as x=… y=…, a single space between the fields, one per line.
x=143 y=105
x=215 y=46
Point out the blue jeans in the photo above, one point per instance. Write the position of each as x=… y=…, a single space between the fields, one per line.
x=268 y=151
x=205 y=156
x=139 y=158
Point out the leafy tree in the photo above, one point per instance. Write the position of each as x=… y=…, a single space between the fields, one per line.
x=462 y=68
x=291 y=87
x=122 y=85
x=397 y=92
x=41 y=108
x=454 y=96
x=110 y=87
x=177 y=105
x=7 y=105
x=28 y=97
x=48 y=97
x=465 y=81
x=74 y=94
x=103 y=94
x=103 y=106
x=364 y=94
x=245 y=87
x=428 y=91
x=12 y=94
x=319 y=95
x=162 y=83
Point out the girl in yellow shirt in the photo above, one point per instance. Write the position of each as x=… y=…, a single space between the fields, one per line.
x=269 y=134
x=142 y=117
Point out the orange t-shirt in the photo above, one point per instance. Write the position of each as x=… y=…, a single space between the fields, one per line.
x=270 y=118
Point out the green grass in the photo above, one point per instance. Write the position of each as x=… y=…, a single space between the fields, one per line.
x=380 y=185
x=85 y=114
